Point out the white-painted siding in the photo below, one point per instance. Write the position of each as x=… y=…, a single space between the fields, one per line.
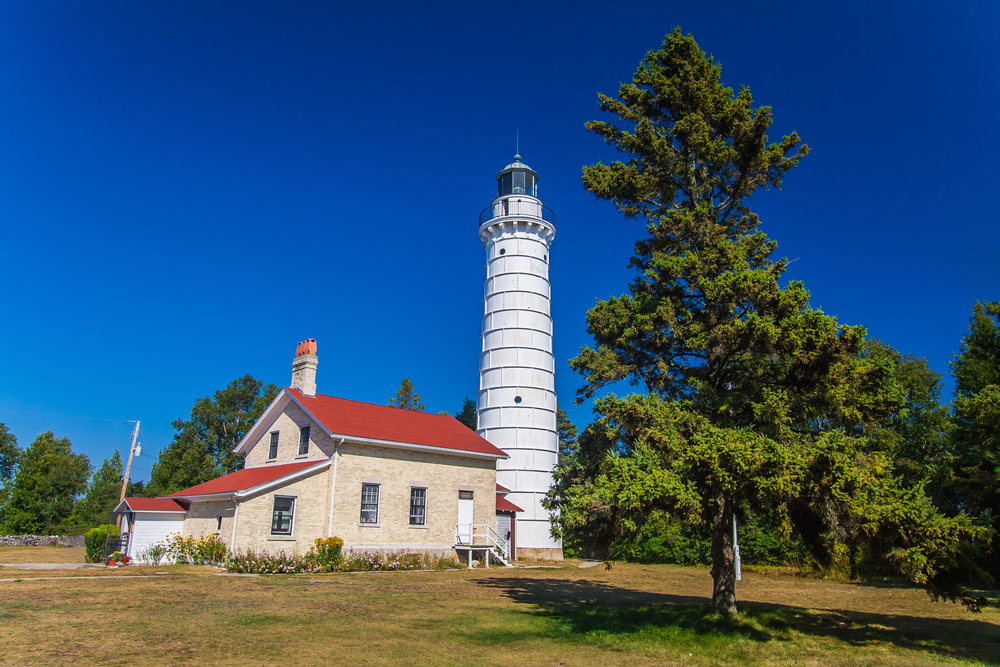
x=149 y=528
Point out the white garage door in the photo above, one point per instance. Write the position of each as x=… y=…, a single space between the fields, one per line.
x=149 y=528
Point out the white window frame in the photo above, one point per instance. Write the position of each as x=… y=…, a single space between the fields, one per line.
x=291 y=519
x=308 y=432
x=423 y=516
x=378 y=493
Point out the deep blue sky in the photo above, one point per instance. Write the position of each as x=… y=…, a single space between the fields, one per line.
x=189 y=189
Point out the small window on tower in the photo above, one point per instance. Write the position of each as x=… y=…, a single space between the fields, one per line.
x=517 y=399
x=503 y=251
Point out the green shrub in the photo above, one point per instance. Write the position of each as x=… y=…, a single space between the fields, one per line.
x=153 y=554
x=201 y=550
x=327 y=554
x=94 y=540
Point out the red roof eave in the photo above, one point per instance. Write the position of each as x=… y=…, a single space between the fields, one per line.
x=505 y=505
x=247 y=478
x=153 y=505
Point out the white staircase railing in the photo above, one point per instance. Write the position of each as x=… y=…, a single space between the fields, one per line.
x=482 y=537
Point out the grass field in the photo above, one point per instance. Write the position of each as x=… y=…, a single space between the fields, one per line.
x=631 y=615
x=47 y=554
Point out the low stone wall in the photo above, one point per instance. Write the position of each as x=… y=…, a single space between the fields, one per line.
x=41 y=540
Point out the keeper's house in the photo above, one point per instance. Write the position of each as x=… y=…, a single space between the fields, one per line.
x=378 y=477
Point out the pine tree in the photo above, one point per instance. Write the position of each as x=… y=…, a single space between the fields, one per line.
x=468 y=414
x=745 y=382
x=406 y=398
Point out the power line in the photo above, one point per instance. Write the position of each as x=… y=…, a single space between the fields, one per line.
x=54 y=414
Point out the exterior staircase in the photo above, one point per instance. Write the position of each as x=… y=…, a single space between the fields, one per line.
x=484 y=539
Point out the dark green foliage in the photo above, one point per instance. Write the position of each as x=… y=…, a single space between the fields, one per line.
x=757 y=405
x=202 y=448
x=406 y=398
x=662 y=539
x=94 y=541
x=568 y=435
x=10 y=454
x=468 y=414
x=49 y=478
x=973 y=485
x=103 y=494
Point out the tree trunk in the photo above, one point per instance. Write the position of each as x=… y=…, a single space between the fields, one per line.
x=723 y=572
x=852 y=558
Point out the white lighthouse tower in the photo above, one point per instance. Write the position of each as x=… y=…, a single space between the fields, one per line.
x=517 y=398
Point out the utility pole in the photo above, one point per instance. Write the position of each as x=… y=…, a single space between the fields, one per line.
x=128 y=468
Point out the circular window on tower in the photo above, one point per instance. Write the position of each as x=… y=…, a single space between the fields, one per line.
x=503 y=251
x=517 y=399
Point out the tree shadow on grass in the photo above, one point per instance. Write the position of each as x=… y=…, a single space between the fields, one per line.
x=585 y=607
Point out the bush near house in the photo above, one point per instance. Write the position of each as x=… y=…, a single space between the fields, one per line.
x=94 y=541
x=327 y=553
x=201 y=550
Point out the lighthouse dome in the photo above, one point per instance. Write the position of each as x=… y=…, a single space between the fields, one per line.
x=517 y=178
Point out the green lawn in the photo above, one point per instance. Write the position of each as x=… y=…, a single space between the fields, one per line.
x=633 y=614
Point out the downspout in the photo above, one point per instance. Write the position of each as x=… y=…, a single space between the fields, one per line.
x=333 y=485
x=236 y=509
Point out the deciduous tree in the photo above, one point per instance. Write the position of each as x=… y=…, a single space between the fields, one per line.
x=49 y=478
x=102 y=495
x=10 y=454
x=203 y=445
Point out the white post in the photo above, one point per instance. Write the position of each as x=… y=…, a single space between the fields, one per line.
x=333 y=485
x=736 y=553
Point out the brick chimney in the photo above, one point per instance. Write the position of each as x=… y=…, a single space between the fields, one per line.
x=304 y=367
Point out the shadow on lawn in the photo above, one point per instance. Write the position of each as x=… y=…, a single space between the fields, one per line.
x=590 y=606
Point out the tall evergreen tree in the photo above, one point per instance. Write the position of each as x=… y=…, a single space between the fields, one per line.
x=49 y=478
x=974 y=484
x=406 y=398
x=467 y=415
x=743 y=378
x=202 y=448
x=568 y=435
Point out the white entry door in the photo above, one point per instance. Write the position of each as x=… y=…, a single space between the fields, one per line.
x=465 y=517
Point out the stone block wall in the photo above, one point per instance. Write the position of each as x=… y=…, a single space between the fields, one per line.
x=41 y=540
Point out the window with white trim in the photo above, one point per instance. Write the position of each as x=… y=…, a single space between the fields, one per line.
x=418 y=506
x=303 y=440
x=369 y=503
x=281 y=517
x=272 y=452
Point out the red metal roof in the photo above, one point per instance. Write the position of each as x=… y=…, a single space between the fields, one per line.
x=502 y=489
x=153 y=505
x=504 y=504
x=382 y=422
x=246 y=478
